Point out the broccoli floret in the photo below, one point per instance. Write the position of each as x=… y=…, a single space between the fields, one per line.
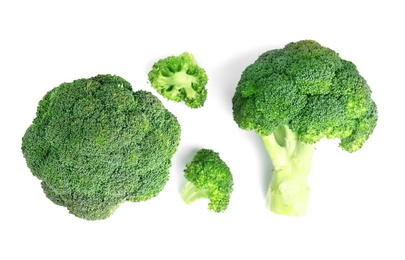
x=95 y=144
x=208 y=177
x=293 y=97
x=179 y=78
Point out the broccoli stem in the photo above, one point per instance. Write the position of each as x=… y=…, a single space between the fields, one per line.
x=191 y=193
x=288 y=190
x=179 y=81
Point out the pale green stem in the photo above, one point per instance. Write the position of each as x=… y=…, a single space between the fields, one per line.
x=288 y=190
x=191 y=193
x=180 y=80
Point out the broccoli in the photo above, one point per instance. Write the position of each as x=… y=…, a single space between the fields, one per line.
x=179 y=78
x=208 y=177
x=292 y=98
x=95 y=144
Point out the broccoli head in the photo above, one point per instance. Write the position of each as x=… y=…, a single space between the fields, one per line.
x=179 y=78
x=293 y=97
x=208 y=177
x=95 y=143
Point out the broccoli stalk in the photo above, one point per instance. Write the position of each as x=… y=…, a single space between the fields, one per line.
x=191 y=193
x=288 y=191
x=177 y=83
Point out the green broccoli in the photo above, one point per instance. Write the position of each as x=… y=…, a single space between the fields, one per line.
x=95 y=144
x=292 y=98
x=208 y=177
x=179 y=78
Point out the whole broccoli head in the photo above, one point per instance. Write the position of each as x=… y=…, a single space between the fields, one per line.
x=179 y=78
x=208 y=177
x=293 y=97
x=95 y=143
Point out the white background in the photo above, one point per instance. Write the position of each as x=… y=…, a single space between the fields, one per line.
x=357 y=200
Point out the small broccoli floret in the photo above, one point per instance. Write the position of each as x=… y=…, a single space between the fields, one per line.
x=293 y=97
x=208 y=177
x=95 y=143
x=179 y=78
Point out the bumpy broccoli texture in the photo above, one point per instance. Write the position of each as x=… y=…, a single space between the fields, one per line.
x=95 y=144
x=208 y=177
x=293 y=97
x=179 y=78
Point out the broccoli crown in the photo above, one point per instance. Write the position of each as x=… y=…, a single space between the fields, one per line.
x=310 y=89
x=95 y=143
x=209 y=177
x=179 y=78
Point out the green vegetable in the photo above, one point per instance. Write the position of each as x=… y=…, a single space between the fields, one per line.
x=95 y=143
x=293 y=97
x=179 y=78
x=208 y=177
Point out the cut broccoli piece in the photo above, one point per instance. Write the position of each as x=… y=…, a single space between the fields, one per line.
x=208 y=177
x=179 y=78
x=95 y=143
x=294 y=97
